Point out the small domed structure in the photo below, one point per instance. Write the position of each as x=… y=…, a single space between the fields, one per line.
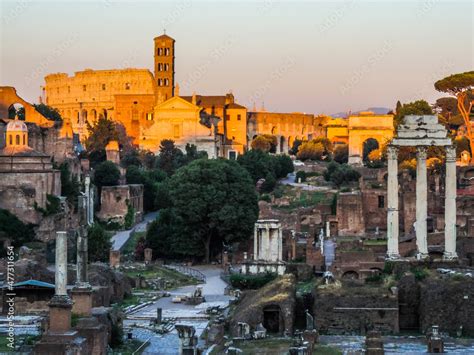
x=16 y=134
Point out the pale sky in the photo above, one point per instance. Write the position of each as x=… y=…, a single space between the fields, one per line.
x=305 y=56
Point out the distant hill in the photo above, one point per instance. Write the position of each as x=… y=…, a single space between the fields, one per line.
x=376 y=110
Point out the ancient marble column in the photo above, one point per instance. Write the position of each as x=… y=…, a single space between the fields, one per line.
x=392 y=203
x=61 y=264
x=421 y=228
x=82 y=258
x=450 y=205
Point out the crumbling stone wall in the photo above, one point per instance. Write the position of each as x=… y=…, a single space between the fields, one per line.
x=355 y=310
x=350 y=214
x=116 y=199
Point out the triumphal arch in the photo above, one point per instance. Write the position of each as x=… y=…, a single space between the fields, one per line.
x=421 y=132
x=367 y=126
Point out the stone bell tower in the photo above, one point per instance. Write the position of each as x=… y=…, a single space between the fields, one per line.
x=164 y=67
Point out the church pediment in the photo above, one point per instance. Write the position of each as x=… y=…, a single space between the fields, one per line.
x=177 y=103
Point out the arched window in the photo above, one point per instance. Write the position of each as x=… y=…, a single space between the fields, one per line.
x=167 y=82
x=17 y=139
x=167 y=66
x=24 y=139
x=10 y=139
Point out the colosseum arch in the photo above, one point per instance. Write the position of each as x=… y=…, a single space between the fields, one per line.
x=283 y=145
x=93 y=115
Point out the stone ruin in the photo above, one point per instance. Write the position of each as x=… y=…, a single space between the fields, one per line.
x=421 y=132
x=187 y=339
x=268 y=249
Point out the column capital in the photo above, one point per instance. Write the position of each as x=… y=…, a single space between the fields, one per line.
x=421 y=152
x=450 y=153
x=392 y=152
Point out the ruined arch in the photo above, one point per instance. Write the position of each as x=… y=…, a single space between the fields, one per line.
x=17 y=109
x=93 y=114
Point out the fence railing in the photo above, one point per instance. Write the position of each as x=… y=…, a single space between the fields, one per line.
x=186 y=270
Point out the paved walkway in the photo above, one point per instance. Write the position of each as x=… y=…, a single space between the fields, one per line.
x=120 y=238
x=167 y=344
x=291 y=178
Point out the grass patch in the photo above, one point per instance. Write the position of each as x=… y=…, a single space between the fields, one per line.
x=172 y=278
x=305 y=199
x=268 y=346
x=326 y=350
x=129 y=301
x=306 y=286
x=375 y=242
x=252 y=282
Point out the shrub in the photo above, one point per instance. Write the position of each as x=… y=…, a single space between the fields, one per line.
x=265 y=197
x=420 y=273
x=341 y=153
x=311 y=151
x=340 y=174
x=300 y=175
x=53 y=206
x=129 y=219
x=374 y=278
x=252 y=282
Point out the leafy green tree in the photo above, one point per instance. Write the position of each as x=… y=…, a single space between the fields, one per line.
x=461 y=86
x=170 y=157
x=420 y=107
x=12 y=228
x=215 y=202
x=106 y=174
x=283 y=165
x=257 y=163
x=269 y=184
x=100 y=134
x=160 y=236
x=49 y=112
x=131 y=158
x=99 y=243
x=162 y=195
